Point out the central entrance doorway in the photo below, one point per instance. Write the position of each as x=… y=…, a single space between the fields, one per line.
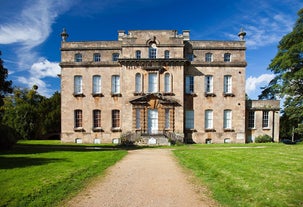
x=152 y=121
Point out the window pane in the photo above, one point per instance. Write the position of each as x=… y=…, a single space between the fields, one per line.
x=115 y=56
x=78 y=118
x=166 y=54
x=115 y=84
x=152 y=53
x=78 y=57
x=227 y=119
x=227 y=57
x=251 y=119
x=208 y=119
x=167 y=118
x=78 y=84
x=138 y=83
x=265 y=119
x=97 y=118
x=208 y=57
x=115 y=118
x=189 y=119
x=96 y=84
x=97 y=57
x=138 y=54
x=152 y=83
x=138 y=118
x=189 y=84
x=227 y=84
x=209 y=84
x=167 y=83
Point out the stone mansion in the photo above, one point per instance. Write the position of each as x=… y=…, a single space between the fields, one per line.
x=159 y=83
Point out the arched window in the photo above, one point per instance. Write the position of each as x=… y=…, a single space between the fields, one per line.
x=138 y=82
x=167 y=83
x=152 y=51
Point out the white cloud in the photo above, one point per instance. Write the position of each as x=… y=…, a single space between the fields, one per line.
x=27 y=30
x=254 y=83
x=39 y=70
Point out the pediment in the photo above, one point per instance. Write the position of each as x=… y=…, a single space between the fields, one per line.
x=154 y=100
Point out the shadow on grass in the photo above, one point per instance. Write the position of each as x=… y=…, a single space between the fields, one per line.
x=20 y=162
x=44 y=148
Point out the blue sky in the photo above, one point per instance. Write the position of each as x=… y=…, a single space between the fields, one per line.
x=30 y=30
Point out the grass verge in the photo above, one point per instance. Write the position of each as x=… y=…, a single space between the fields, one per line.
x=43 y=173
x=248 y=175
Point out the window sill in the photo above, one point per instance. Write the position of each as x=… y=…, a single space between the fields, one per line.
x=116 y=129
x=168 y=94
x=78 y=95
x=229 y=130
x=191 y=94
x=116 y=95
x=209 y=94
x=265 y=128
x=190 y=130
x=228 y=95
x=139 y=94
x=210 y=130
x=97 y=95
x=79 y=129
x=97 y=129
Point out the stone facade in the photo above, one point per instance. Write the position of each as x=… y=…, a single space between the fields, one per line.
x=152 y=82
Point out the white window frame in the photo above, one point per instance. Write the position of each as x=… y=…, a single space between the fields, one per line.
x=189 y=84
x=167 y=83
x=97 y=84
x=265 y=119
x=138 y=54
x=209 y=116
x=227 y=57
x=78 y=84
x=167 y=118
x=208 y=57
x=138 y=118
x=78 y=57
x=189 y=119
x=115 y=84
x=78 y=118
x=96 y=118
x=138 y=83
x=209 y=84
x=227 y=119
x=153 y=82
x=166 y=54
x=227 y=84
x=97 y=57
x=152 y=53
x=115 y=57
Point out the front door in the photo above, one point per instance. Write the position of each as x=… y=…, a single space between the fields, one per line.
x=152 y=121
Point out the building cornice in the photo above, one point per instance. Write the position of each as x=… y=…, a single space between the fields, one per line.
x=219 y=64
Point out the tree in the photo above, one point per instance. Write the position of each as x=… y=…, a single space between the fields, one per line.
x=287 y=66
x=5 y=85
x=21 y=112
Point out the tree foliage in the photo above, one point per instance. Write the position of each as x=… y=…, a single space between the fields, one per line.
x=5 y=85
x=31 y=114
x=287 y=66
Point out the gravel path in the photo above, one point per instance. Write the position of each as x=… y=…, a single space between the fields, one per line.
x=144 y=178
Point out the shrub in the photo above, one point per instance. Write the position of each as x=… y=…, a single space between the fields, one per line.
x=8 y=138
x=263 y=139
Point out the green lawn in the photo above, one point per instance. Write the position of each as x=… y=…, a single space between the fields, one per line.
x=43 y=173
x=248 y=175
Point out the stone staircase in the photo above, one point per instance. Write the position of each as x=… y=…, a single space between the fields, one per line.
x=153 y=140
